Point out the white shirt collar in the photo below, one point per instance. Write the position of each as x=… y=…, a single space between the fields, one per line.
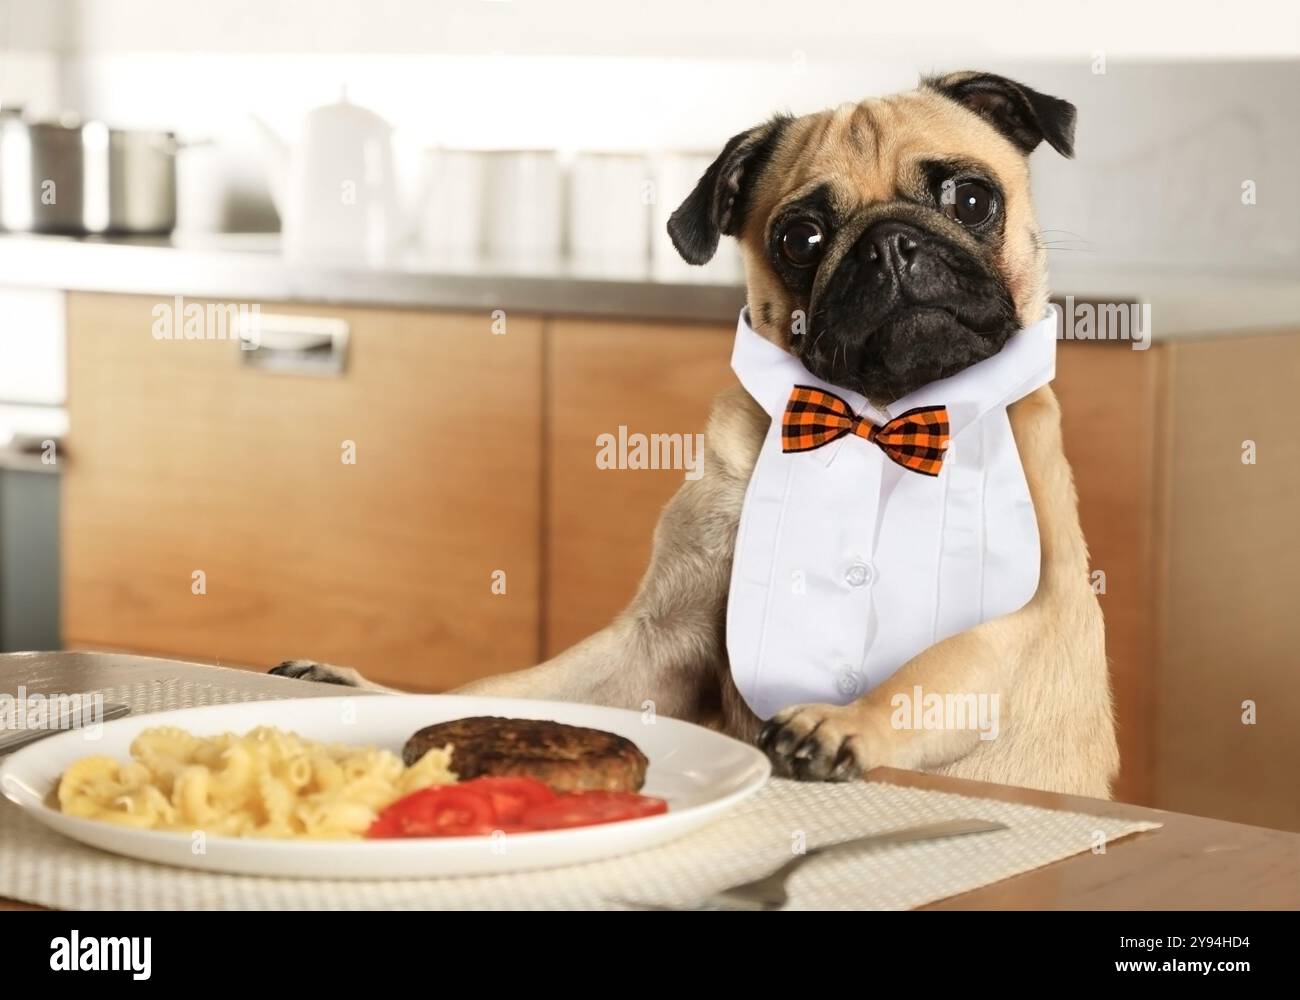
x=1026 y=361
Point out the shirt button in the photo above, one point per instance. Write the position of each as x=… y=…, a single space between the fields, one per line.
x=849 y=683
x=858 y=574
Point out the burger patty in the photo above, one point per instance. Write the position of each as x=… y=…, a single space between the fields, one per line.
x=568 y=758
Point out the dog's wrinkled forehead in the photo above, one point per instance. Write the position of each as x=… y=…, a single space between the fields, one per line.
x=877 y=151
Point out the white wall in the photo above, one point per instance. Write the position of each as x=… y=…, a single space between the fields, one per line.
x=34 y=41
x=843 y=29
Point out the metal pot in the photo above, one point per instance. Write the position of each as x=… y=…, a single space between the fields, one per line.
x=80 y=178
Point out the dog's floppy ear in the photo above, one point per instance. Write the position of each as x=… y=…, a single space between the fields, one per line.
x=1021 y=113
x=720 y=200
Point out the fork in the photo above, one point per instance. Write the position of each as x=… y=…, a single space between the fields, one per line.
x=15 y=739
x=769 y=892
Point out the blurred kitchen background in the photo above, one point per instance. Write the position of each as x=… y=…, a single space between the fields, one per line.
x=446 y=221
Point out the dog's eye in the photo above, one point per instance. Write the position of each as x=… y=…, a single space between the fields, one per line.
x=967 y=202
x=802 y=243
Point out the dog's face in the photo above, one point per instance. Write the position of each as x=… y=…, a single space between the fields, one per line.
x=887 y=243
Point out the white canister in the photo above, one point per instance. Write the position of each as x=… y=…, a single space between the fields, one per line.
x=609 y=214
x=451 y=206
x=523 y=209
x=676 y=174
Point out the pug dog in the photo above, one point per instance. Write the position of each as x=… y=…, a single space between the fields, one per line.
x=901 y=230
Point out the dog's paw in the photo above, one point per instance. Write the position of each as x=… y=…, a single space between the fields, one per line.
x=817 y=743
x=321 y=673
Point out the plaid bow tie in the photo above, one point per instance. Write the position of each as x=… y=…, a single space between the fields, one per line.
x=915 y=440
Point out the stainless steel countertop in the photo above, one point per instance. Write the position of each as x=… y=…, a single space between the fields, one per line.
x=249 y=267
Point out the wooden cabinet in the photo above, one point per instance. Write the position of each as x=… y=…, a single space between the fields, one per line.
x=615 y=378
x=1201 y=551
x=1108 y=403
x=183 y=461
x=1227 y=578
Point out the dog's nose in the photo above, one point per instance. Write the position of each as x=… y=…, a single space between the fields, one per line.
x=890 y=246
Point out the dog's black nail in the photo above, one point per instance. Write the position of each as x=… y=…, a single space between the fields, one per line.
x=811 y=768
x=807 y=747
x=846 y=765
x=780 y=764
x=814 y=766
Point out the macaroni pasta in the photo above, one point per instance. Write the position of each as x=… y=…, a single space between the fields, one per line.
x=269 y=783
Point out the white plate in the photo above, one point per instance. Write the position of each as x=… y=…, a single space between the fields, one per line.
x=701 y=773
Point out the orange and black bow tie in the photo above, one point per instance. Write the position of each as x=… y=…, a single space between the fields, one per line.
x=915 y=440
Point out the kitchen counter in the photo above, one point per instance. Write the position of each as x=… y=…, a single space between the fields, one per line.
x=250 y=267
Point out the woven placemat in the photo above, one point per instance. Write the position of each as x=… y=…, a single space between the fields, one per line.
x=40 y=866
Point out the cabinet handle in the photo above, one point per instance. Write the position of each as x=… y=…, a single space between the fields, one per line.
x=297 y=345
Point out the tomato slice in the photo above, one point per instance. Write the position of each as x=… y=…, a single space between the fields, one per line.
x=590 y=808
x=511 y=797
x=513 y=805
x=441 y=811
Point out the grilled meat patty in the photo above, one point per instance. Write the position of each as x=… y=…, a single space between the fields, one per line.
x=568 y=758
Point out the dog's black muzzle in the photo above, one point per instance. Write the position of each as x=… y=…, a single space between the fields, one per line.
x=904 y=306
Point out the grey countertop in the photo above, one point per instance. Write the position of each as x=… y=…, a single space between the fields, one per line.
x=250 y=267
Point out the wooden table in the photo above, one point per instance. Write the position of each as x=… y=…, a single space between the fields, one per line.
x=1189 y=863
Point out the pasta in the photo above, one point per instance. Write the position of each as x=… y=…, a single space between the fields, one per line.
x=268 y=783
